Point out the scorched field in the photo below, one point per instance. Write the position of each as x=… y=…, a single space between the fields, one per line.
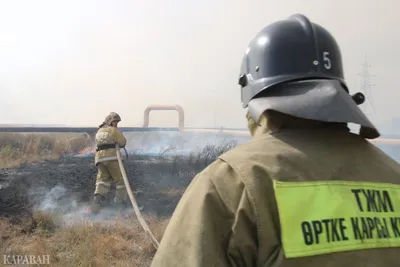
x=46 y=186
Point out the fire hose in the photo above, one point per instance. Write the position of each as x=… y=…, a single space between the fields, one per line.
x=134 y=203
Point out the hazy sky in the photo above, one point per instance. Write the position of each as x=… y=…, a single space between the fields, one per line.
x=73 y=62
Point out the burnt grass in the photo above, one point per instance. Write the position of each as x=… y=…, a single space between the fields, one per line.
x=157 y=182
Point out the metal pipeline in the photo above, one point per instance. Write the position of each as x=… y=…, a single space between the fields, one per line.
x=178 y=108
x=134 y=203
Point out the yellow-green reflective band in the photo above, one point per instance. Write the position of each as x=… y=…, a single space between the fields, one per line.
x=333 y=216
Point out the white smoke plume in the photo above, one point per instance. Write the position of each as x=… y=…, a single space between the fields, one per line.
x=59 y=201
x=67 y=208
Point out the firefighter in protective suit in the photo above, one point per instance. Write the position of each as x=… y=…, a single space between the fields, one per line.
x=107 y=163
x=305 y=191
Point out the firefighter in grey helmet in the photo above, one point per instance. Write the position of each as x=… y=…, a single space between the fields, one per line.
x=292 y=196
x=106 y=161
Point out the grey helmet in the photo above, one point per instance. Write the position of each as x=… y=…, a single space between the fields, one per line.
x=296 y=66
x=289 y=50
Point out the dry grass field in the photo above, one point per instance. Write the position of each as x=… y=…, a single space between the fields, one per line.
x=33 y=167
x=17 y=149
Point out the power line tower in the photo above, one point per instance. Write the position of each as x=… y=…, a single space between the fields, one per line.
x=366 y=88
x=215 y=113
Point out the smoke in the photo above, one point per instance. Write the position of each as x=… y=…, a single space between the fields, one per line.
x=72 y=207
x=169 y=144
x=51 y=201
x=68 y=209
x=175 y=143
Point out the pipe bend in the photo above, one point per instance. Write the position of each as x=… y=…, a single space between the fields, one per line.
x=178 y=108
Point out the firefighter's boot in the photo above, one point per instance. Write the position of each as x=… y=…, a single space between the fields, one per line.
x=121 y=198
x=97 y=203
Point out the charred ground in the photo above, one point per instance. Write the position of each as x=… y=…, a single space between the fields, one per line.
x=157 y=182
x=40 y=173
x=43 y=191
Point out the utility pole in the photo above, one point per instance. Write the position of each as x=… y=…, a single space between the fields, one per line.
x=215 y=114
x=366 y=88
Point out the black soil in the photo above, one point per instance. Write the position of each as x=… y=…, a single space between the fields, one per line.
x=157 y=184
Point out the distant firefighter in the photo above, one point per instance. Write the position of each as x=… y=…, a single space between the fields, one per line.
x=107 y=163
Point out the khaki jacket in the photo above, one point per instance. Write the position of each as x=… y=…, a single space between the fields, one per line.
x=108 y=135
x=260 y=204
